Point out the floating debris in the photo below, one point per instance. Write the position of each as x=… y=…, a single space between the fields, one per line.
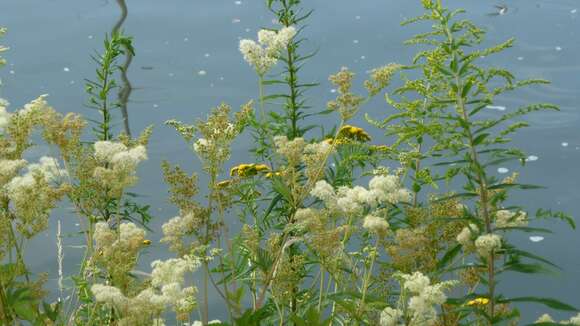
x=520 y=58
x=12 y=72
x=238 y=3
x=536 y=238
x=503 y=170
x=501 y=10
x=573 y=11
x=66 y=69
x=202 y=72
x=564 y=144
x=495 y=107
x=333 y=90
x=531 y=158
x=558 y=48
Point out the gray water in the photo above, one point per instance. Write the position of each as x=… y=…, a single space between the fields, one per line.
x=51 y=41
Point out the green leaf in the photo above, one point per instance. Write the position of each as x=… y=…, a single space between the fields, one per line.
x=549 y=302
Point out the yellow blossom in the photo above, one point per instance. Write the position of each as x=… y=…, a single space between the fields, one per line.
x=146 y=242
x=478 y=302
x=354 y=133
x=248 y=170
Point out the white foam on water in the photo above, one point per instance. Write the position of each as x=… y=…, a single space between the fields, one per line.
x=558 y=48
x=333 y=90
x=573 y=11
x=66 y=69
x=520 y=58
x=496 y=107
x=531 y=158
x=238 y=3
x=236 y=20
x=355 y=41
x=503 y=170
x=564 y=144
x=202 y=73
x=536 y=238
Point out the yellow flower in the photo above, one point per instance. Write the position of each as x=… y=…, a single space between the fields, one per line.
x=272 y=174
x=355 y=133
x=146 y=242
x=248 y=170
x=478 y=302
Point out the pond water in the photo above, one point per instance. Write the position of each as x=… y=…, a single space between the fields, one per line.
x=187 y=61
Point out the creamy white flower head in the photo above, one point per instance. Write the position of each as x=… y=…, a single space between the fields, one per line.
x=103 y=235
x=506 y=218
x=574 y=320
x=172 y=270
x=416 y=282
x=466 y=235
x=4 y=117
x=375 y=224
x=423 y=311
x=131 y=158
x=200 y=145
x=105 y=150
x=545 y=318
x=9 y=169
x=108 y=294
x=323 y=190
x=131 y=233
x=264 y=54
x=36 y=105
x=390 y=317
x=49 y=167
x=487 y=243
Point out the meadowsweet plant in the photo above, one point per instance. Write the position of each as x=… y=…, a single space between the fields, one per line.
x=327 y=226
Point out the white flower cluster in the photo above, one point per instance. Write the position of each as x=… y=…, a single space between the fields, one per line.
x=375 y=224
x=506 y=218
x=263 y=55
x=130 y=237
x=4 y=114
x=465 y=237
x=423 y=298
x=176 y=228
x=119 y=164
x=9 y=169
x=119 y=155
x=388 y=189
x=487 y=243
x=48 y=169
x=167 y=279
x=390 y=317
x=545 y=318
x=383 y=189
